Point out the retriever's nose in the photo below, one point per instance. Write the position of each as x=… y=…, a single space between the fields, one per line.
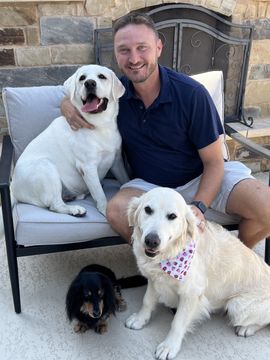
x=152 y=240
x=90 y=84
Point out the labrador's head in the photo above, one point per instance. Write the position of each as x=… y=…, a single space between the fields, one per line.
x=93 y=88
x=163 y=222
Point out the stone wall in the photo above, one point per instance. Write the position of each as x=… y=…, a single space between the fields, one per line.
x=42 y=42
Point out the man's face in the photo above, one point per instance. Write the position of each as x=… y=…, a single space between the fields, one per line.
x=137 y=50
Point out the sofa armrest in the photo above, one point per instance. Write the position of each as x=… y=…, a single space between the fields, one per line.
x=6 y=162
x=5 y=175
x=249 y=144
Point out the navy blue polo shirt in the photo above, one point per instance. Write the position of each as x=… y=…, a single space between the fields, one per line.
x=161 y=142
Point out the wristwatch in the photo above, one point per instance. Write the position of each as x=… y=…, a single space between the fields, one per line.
x=200 y=205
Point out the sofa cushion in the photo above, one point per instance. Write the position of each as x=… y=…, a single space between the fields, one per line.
x=29 y=110
x=39 y=226
x=214 y=84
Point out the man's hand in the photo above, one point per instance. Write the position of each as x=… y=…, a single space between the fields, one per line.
x=200 y=217
x=73 y=117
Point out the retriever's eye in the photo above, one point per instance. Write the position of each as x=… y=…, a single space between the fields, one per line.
x=148 y=210
x=82 y=77
x=101 y=76
x=171 y=216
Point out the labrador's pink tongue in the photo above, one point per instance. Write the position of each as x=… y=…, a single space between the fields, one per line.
x=92 y=106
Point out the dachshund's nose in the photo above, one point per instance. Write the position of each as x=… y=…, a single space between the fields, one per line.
x=96 y=313
x=152 y=240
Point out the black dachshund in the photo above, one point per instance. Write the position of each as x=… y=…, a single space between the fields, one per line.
x=95 y=294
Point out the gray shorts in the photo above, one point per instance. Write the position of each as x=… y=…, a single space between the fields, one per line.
x=234 y=172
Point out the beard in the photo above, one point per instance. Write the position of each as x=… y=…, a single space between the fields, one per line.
x=139 y=74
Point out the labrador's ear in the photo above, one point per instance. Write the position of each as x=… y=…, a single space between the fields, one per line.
x=118 y=88
x=70 y=85
x=132 y=211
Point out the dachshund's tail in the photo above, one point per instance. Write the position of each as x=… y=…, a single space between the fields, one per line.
x=132 y=281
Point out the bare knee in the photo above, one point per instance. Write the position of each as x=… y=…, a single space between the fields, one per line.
x=117 y=211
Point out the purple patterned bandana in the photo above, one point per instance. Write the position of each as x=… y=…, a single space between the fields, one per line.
x=178 y=267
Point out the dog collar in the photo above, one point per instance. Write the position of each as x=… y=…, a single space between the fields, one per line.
x=178 y=267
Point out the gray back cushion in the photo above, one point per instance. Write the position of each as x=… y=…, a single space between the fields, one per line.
x=29 y=110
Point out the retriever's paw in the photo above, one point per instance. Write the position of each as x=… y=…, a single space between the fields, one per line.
x=246 y=331
x=136 y=322
x=166 y=350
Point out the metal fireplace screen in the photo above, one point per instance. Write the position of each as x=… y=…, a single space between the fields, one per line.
x=196 y=40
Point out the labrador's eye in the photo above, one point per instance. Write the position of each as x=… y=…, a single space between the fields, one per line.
x=101 y=76
x=171 y=216
x=82 y=77
x=148 y=210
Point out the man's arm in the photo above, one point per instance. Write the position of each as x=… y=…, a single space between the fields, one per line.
x=73 y=116
x=212 y=176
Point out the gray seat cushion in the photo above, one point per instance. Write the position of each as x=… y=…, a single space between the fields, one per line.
x=38 y=226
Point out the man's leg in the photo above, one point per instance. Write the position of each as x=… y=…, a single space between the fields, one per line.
x=117 y=211
x=251 y=200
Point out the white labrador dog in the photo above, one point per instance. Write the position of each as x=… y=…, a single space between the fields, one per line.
x=60 y=158
x=195 y=272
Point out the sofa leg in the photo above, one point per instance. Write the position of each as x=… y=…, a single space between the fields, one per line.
x=267 y=251
x=14 y=277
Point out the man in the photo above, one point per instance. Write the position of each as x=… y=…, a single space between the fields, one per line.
x=170 y=130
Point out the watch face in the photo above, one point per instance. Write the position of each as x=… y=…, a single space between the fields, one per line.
x=200 y=205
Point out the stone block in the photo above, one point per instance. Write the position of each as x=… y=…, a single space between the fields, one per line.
x=32 y=35
x=11 y=36
x=97 y=7
x=261 y=28
x=259 y=72
x=20 y=15
x=49 y=9
x=7 y=57
x=36 y=76
x=104 y=22
x=136 y=4
x=66 y=30
x=257 y=92
x=33 y=56
x=72 y=54
x=260 y=52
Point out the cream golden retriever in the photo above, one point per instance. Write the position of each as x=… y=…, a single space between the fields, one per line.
x=195 y=272
x=61 y=161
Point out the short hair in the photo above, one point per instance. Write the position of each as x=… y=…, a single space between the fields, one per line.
x=136 y=19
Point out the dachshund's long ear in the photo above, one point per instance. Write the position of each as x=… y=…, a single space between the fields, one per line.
x=192 y=223
x=132 y=210
x=109 y=294
x=72 y=298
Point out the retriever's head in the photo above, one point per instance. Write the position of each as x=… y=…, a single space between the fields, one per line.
x=93 y=88
x=163 y=222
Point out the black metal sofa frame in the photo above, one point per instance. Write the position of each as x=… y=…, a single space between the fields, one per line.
x=195 y=40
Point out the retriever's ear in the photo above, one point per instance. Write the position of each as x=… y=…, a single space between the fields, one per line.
x=192 y=223
x=118 y=88
x=70 y=85
x=132 y=210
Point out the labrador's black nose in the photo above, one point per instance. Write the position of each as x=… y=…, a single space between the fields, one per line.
x=152 y=240
x=90 y=84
